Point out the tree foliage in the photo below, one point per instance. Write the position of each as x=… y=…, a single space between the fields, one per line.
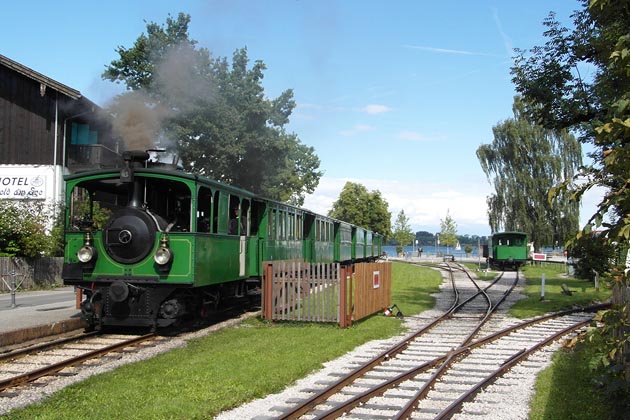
x=595 y=104
x=448 y=231
x=216 y=112
x=23 y=230
x=524 y=162
x=592 y=252
x=401 y=231
x=362 y=208
x=580 y=80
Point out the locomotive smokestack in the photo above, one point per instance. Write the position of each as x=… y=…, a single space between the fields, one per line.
x=133 y=159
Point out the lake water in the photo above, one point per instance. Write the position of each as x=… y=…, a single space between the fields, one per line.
x=432 y=250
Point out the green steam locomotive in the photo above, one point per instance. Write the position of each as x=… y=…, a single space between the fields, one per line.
x=148 y=244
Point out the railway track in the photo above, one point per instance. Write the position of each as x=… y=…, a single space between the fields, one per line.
x=439 y=367
x=60 y=357
x=27 y=393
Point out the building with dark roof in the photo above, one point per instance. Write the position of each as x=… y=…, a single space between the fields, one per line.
x=47 y=129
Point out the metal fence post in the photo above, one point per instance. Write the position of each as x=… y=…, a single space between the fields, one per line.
x=13 y=285
x=13 y=289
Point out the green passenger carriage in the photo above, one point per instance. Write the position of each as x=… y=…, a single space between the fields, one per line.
x=147 y=244
x=507 y=250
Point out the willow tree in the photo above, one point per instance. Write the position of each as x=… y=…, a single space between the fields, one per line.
x=524 y=163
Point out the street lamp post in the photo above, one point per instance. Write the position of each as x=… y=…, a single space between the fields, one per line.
x=437 y=246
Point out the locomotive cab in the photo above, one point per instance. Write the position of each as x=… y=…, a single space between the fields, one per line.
x=507 y=250
x=121 y=230
x=148 y=246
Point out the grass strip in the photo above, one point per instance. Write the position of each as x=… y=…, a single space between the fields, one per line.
x=534 y=304
x=230 y=367
x=564 y=390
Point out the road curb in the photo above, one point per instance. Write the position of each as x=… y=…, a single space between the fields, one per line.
x=32 y=333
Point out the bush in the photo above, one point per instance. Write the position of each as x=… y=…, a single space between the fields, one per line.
x=593 y=252
x=29 y=229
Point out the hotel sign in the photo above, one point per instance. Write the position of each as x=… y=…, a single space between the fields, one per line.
x=17 y=186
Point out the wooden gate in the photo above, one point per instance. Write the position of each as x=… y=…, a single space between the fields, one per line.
x=317 y=292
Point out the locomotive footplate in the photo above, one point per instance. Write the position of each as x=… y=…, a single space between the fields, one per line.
x=121 y=303
x=140 y=304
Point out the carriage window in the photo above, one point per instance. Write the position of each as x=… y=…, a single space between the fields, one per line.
x=245 y=217
x=87 y=212
x=215 y=212
x=291 y=226
x=255 y=216
x=221 y=212
x=299 y=227
x=282 y=219
x=204 y=210
x=234 y=225
x=271 y=224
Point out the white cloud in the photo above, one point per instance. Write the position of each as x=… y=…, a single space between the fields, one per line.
x=507 y=42
x=357 y=129
x=424 y=203
x=412 y=135
x=448 y=51
x=376 y=109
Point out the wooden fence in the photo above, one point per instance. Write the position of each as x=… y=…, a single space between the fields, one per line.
x=316 y=292
x=372 y=288
x=30 y=273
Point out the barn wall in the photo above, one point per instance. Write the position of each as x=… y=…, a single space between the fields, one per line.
x=27 y=121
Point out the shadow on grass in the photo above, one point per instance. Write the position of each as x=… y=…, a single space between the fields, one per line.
x=536 y=303
x=566 y=391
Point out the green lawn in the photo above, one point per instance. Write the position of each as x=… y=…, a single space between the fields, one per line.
x=230 y=367
x=584 y=292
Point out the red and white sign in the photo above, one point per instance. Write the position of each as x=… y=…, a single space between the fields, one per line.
x=376 y=279
x=539 y=257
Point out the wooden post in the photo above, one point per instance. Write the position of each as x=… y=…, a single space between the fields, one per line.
x=345 y=291
x=79 y=297
x=268 y=291
x=350 y=295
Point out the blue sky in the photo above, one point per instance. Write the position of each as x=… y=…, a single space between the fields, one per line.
x=395 y=95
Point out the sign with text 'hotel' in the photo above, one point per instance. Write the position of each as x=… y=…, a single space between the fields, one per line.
x=23 y=183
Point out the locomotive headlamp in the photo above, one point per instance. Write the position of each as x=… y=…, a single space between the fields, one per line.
x=87 y=253
x=163 y=255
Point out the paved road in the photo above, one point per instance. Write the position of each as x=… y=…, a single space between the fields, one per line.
x=61 y=295
x=36 y=308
